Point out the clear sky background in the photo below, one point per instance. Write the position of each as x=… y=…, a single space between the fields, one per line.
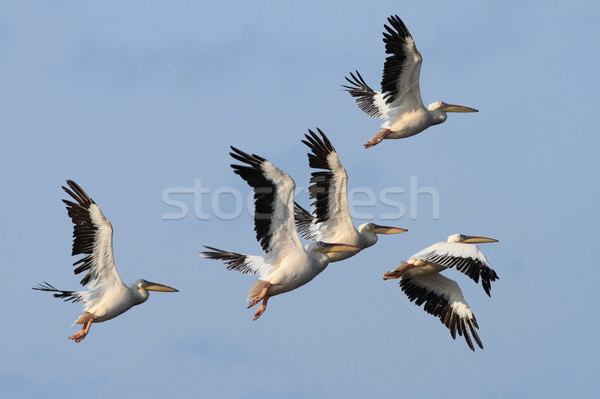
x=87 y=95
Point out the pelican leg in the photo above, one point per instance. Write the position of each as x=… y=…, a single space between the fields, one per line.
x=261 y=309
x=260 y=296
x=398 y=272
x=377 y=138
x=80 y=335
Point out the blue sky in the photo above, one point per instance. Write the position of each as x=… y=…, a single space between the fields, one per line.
x=133 y=99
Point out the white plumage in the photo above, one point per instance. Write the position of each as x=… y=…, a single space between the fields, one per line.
x=399 y=103
x=442 y=297
x=331 y=221
x=107 y=296
x=286 y=265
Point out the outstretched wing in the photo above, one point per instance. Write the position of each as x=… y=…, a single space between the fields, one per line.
x=328 y=186
x=92 y=236
x=466 y=258
x=367 y=99
x=443 y=299
x=273 y=204
x=401 y=70
x=246 y=264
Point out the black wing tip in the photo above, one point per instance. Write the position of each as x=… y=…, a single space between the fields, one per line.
x=71 y=185
x=318 y=142
x=67 y=296
x=246 y=157
x=252 y=162
x=439 y=307
x=77 y=193
x=487 y=288
x=211 y=251
x=488 y=276
x=455 y=324
x=233 y=260
x=357 y=82
x=324 y=139
x=320 y=147
x=363 y=94
x=398 y=27
x=45 y=286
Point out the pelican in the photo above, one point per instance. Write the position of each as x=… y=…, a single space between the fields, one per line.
x=422 y=283
x=399 y=102
x=107 y=296
x=285 y=265
x=331 y=221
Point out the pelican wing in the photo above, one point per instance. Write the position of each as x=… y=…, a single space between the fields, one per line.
x=67 y=296
x=92 y=236
x=305 y=223
x=443 y=299
x=401 y=70
x=273 y=204
x=466 y=258
x=328 y=187
x=367 y=99
x=246 y=264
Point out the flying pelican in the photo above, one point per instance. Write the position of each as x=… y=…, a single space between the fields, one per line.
x=399 y=101
x=422 y=283
x=107 y=296
x=331 y=221
x=286 y=265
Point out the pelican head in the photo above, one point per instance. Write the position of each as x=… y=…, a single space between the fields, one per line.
x=139 y=290
x=326 y=248
x=444 y=107
x=469 y=239
x=377 y=229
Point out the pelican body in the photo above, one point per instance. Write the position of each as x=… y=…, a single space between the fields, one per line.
x=107 y=296
x=399 y=103
x=441 y=296
x=285 y=265
x=331 y=221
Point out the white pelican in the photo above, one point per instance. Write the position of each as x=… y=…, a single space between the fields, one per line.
x=399 y=101
x=286 y=265
x=442 y=297
x=107 y=296
x=331 y=221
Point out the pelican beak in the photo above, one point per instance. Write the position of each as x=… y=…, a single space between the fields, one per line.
x=387 y=230
x=457 y=108
x=330 y=247
x=476 y=240
x=150 y=286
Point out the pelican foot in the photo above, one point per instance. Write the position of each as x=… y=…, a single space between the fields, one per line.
x=382 y=134
x=399 y=272
x=260 y=296
x=392 y=275
x=78 y=336
x=259 y=312
x=255 y=300
x=261 y=309
x=373 y=142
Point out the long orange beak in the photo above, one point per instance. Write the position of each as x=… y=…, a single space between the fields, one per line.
x=457 y=108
